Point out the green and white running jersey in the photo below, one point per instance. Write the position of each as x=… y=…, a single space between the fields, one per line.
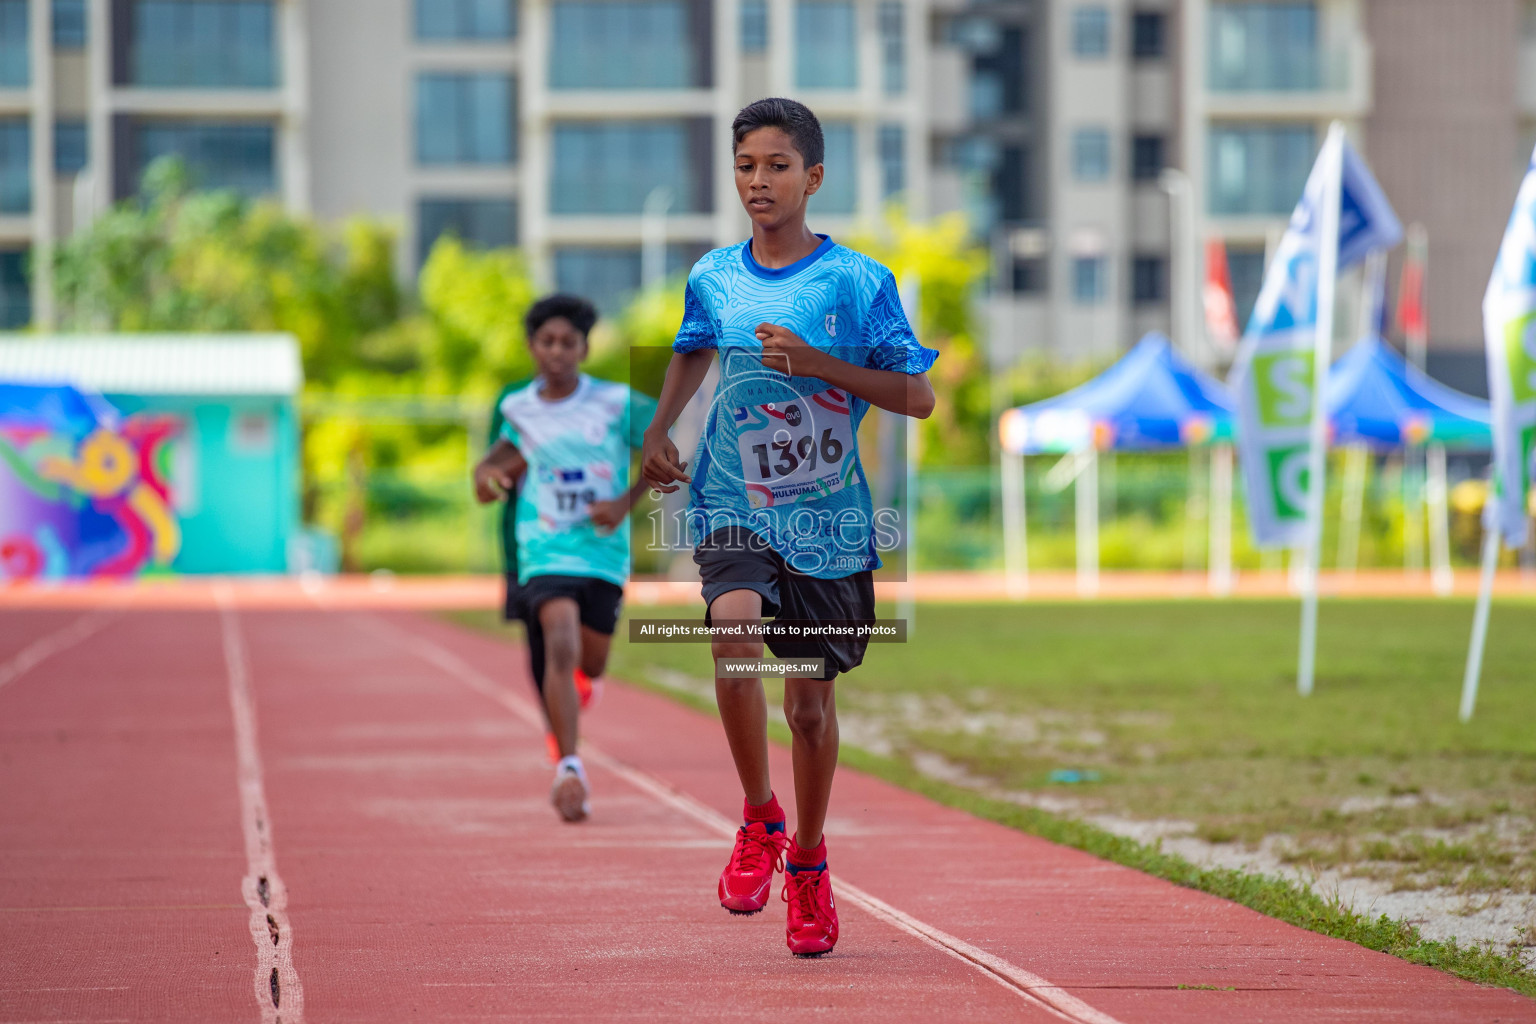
x=578 y=452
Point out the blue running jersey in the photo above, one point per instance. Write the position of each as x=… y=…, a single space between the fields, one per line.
x=780 y=455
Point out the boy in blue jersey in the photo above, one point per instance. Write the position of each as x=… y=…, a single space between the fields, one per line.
x=809 y=336
x=569 y=437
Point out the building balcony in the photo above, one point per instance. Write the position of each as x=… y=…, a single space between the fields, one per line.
x=15 y=227
x=1341 y=86
x=200 y=102
x=647 y=104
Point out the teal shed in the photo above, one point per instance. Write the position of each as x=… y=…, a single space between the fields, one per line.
x=226 y=406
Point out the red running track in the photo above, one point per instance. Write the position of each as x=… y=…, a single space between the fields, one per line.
x=375 y=783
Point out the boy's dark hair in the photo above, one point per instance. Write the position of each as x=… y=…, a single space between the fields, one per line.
x=581 y=313
x=789 y=116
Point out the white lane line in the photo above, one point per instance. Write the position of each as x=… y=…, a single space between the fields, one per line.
x=276 y=984
x=45 y=647
x=1028 y=986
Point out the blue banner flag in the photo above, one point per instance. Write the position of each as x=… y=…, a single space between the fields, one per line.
x=1275 y=371
x=1509 y=327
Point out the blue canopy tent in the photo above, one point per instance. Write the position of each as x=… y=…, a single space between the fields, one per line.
x=1378 y=403
x=1377 y=400
x=1151 y=400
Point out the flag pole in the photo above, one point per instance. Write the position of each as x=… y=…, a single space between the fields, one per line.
x=1327 y=287
x=1480 y=624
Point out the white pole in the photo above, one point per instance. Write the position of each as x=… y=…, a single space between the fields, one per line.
x=1353 y=507
x=1221 y=520
x=1188 y=334
x=1413 y=510
x=1327 y=286
x=911 y=289
x=907 y=604
x=1195 y=511
x=1480 y=625
x=653 y=236
x=1437 y=501
x=1015 y=544
x=1087 y=495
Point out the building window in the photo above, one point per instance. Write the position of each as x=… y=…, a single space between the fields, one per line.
x=1010 y=184
x=893 y=47
x=1263 y=46
x=478 y=223
x=69 y=24
x=1029 y=275
x=1088 y=280
x=15 y=165
x=1090 y=154
x=826 y=45
x=1246 y=268
x=464 y=118
x=610 y=167
x=71 y=147
x=754 y=26
x=1149 y=280
x=465 y=19
x=228 y=44
x=15 y=48
x=893 y=160
x=1149 y=35
x=1259 y=169
x=997 y=76
x=1147 y=157
x=610 y=276
x=1090 y=31
x=636 y=44
x=239 y=155
x=839 y=192
x=15 y=294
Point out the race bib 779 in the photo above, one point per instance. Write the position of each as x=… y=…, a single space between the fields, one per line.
x=565 y=493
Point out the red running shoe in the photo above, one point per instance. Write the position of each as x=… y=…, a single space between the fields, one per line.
x=812 y=928
x=748 y=878
x=588 y=690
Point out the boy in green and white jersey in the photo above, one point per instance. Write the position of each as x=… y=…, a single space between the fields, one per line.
x=570 y=437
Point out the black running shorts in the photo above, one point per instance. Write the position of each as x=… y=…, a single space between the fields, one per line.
x=598 y=600
x=735 y=558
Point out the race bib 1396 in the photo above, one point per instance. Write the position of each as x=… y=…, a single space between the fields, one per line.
x=795 y=450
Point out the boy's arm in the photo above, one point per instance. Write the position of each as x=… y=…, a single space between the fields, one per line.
x=908 y=394
x=660 y=467
x=497 y=471
x=609 y=514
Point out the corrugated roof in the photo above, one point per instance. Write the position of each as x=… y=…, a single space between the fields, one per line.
x=157 y=364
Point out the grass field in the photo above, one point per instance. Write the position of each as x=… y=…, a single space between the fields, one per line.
x=1187 y=710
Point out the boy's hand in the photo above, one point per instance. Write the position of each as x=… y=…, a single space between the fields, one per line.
x=786 y=352
x=492 y=482
x=659 y=463
x=607 y=515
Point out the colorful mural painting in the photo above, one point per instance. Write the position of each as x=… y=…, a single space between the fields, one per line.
x=84 y=493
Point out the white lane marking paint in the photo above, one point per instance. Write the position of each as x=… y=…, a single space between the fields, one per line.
x=276 y=985
x=45 y=647
x=1029 y=986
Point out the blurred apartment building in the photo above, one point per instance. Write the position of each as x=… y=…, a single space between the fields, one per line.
x=595 y=133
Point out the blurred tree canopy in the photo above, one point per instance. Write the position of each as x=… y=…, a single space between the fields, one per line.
x=180 y=260
x=947 y=267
